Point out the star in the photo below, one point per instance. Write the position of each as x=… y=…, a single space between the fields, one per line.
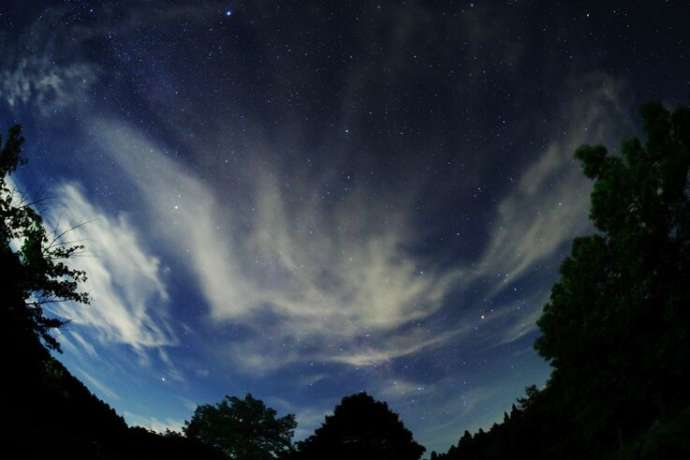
x=228 y=13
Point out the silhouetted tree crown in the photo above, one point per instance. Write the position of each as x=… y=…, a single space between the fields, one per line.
x=244 y=429
x=620 y=307
x=361 y=428
x=616 y=329
x=32 y=263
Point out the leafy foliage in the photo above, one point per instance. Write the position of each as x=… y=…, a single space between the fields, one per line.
x=35 y=273
x=617 y=327
x=242 y=428
x=363 y=428
x=620 y=307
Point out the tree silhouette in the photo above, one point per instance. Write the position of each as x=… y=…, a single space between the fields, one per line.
x=31 y=262
x=48 y=413
x=620 y=308
x=617 y=327
x=361 y=428
x=244 y=429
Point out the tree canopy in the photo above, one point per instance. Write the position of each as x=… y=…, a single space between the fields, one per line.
x=361 y=428
x=620 y=307
x=617 y=326
x=244 y=429
x=32 y=261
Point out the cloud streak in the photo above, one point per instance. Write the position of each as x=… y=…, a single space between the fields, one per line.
x=40 y=82
x=548 y=207
x=320 y=273
x=307 y=279
x=101 y=387
x=128 y=294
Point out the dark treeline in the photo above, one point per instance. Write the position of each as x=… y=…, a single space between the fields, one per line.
x=616 y=332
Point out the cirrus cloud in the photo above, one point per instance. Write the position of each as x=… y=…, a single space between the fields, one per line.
x=128 y=293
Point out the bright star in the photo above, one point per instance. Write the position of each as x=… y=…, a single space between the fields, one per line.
x=228 y=13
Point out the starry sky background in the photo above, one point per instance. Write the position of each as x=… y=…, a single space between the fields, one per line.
x=303 y=200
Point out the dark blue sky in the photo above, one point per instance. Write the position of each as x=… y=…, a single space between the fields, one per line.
x=302 y=200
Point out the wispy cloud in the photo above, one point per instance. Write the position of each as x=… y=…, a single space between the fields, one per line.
x=397 y=388
x=321 y=273
x=153 y=423
x=48 y=78
x=410 y=343
x=128 y=294
x=303 y=278
x=548 y=206
x=38 y=81
x=543 y=212
x=310 y=279
x=84 y=344
x=100 y=387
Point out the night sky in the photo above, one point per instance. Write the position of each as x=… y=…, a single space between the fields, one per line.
x=303 y=200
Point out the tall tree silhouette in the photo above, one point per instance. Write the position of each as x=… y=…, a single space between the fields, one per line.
x=32 y=263
x=361 y=428
x=616 y=328
x=244 y=429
